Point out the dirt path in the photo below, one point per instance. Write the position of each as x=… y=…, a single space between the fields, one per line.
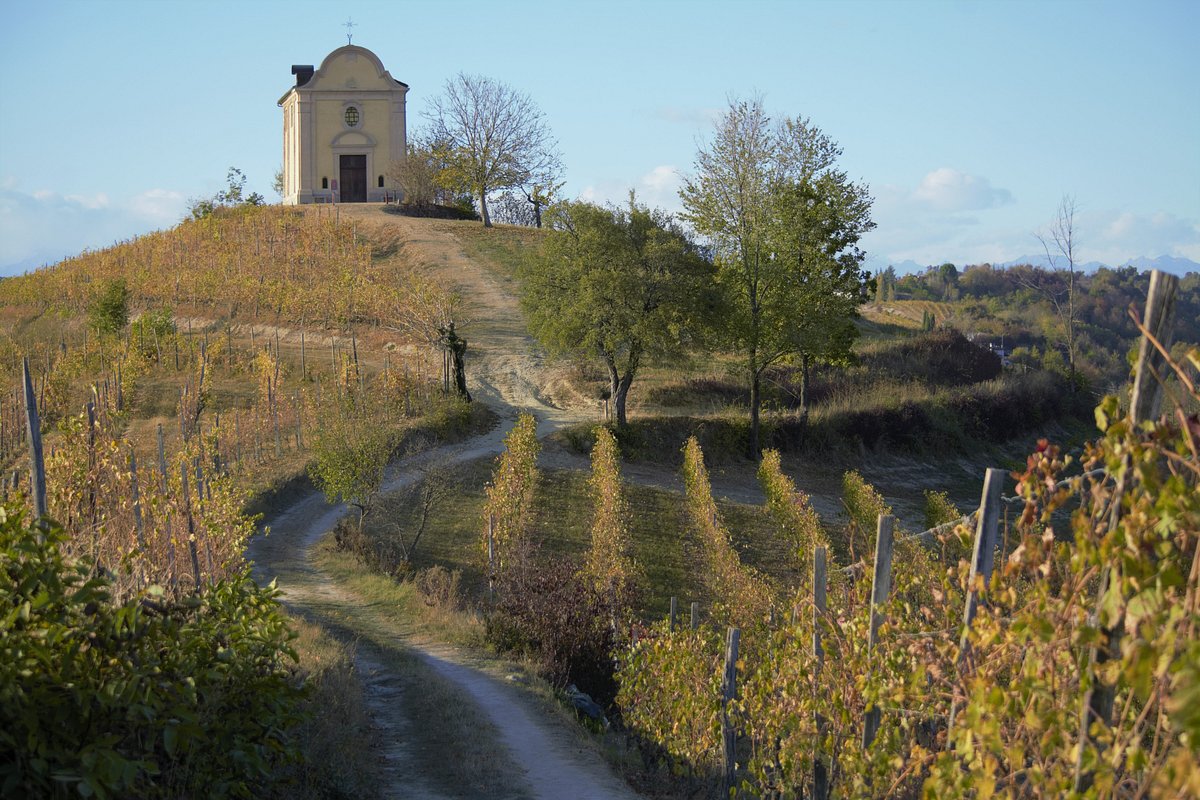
x=537 y=758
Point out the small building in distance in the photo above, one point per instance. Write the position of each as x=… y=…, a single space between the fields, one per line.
x=343 y=126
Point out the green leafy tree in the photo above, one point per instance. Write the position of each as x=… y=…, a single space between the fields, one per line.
x=620 y=284
x=814 y=232
x=496 y=138
x=784 y=223
x=109 y=309
x=234 y=194
x=350 y=454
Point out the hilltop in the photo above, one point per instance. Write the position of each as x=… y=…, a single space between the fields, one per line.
x=257 y=337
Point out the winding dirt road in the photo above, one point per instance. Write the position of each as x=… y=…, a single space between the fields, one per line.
x=538 y=756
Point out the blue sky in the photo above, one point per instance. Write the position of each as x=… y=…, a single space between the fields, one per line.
x=968 y=120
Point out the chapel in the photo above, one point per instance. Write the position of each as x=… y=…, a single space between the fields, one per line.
x=343 y=126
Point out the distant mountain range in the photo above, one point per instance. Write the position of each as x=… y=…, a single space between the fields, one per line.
x=1172 y=264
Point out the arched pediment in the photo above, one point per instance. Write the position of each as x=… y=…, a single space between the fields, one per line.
x=353 y=67
x=353 y=139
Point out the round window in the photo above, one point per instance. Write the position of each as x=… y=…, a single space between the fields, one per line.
x=352 y=117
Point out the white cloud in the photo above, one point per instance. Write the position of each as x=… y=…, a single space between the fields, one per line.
x=658 y=188
x=44 y=227
x=947 y=189
x=688 y=116
x=159 y=204
x=92 y=202
x=1116 y=236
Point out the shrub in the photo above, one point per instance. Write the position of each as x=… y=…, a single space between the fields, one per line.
x=743 y=596
x=147 y=698
x=109 y=309
x=547 y=611
x=510 y=495
x=440 y=587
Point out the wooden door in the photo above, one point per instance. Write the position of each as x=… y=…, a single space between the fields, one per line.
x=354 y=179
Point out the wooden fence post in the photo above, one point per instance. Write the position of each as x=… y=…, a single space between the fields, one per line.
x=674 y=613
x=191 y=524
x=162 y=462
x=1144 y=405
x=33 y=427
x=881 y=584
x=982 y=560
x=695 y=615
x=274 y=402
x=728 y=694
x=139 y=525
x=820 y=579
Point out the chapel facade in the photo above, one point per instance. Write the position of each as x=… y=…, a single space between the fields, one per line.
x=343 y=126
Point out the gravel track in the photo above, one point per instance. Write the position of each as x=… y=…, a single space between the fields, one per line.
x=503 y=371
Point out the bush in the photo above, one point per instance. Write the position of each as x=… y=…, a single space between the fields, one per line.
x=150 y=331
x=147 y=698
x=548 y=612
x=109 y=310
x=440 y=587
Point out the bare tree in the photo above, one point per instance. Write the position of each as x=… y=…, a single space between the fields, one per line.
x=425 y=496
x=1059 y=243
x=498 y=138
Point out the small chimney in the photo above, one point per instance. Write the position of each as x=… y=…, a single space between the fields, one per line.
x=303 y=73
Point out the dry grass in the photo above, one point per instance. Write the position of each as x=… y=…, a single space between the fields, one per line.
x=337 y=739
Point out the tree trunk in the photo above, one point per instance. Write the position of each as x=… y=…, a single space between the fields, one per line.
x=755 y=402
x=483 y=210
x=614 y=379
x=619 y=397
x=618 y=385
x=804 y=384
x=460 y=372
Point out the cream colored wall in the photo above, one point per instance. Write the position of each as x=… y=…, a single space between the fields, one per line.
x=315 y=133
x=359 y=70
x=375 y=122
x=291 y=149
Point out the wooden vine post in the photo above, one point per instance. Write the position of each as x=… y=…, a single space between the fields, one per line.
x=881 y=585
x=820 y=579
x=191 y=525
x=728 y=695
x=33 y=429
x=1144 y=405
x=982 y=560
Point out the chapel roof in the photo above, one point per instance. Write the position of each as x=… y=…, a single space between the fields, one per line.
x=305 y=74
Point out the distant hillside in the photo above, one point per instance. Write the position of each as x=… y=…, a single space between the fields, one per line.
x=1176 y=265
x=1014 y=308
